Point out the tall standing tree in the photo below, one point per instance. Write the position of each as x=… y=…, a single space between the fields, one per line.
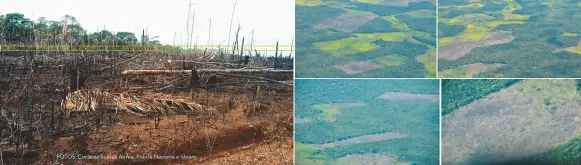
x=17 y=28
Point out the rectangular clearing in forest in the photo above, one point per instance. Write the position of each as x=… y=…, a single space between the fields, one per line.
x=347 y=22
x=364 y=139
x=409 y=96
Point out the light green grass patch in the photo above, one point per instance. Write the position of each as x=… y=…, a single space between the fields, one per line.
x=429 y=61
x=390 y=60
x=329 y=111
x=396 y=23
x=576 y=50
x=471 y=18
x=306 y=154
x=568 y=34
x=391 y=36
x=473 y=4
x=461 y=37
x=375 y=2
x=552 y=90
x=346 y=46
x=308 y=2
x=550 y=5
x=579 y=4
x=458 y=72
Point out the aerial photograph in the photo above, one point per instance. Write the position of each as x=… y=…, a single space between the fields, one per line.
x=367 y=122
x=146 y=82
x=365 y=38
x=509 y=38
x=511 y=121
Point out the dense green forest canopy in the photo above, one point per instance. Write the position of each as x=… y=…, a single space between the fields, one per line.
x=417 y=120
x=356 y=38
x=459 y=92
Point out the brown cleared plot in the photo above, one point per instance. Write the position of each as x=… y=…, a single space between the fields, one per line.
x=347 y=22
x=459 y=49
x=408 y=96
x=366 y=159
x=364 y=139
x=399 y=3
x=355 y=67
x=525 y=119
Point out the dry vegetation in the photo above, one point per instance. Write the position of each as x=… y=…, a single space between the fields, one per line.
x=81 y=103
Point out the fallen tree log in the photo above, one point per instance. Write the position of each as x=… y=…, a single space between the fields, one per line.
x=258 y=78
x=140 y=72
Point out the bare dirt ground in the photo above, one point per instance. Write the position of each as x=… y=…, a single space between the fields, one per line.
x=355 y=67
x=527 y=118
x=459 y=49
x=408 y=96
x=141 y=119
x=347 y=22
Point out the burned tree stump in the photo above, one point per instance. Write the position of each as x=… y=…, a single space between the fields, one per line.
x=77 y=79
x=194 y=80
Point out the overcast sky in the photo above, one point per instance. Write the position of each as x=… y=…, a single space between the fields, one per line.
x=272 y=20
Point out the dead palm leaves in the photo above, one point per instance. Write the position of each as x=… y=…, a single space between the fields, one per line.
x=91 y=100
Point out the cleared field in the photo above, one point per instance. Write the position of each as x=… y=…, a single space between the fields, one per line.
x=347 y=22
x=355 y=67
x=399 y=3
x=528 y=118
x=459 y=49
x=468 y=71
x=364 y=139
x=409 y=96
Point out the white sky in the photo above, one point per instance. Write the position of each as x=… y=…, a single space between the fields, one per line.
x=272 y=20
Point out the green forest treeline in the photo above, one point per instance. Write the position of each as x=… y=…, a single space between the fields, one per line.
x=20 y=33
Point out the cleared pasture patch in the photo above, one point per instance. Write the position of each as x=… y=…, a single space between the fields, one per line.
x=347 y=22
x=329 y=112
x=364 y=139
x=460 y=49
x=467 y=18
x=468 y=71
x=375 y=2
x=409 y=96
x=399 y=3
x=528 y=118
x=355 y=67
